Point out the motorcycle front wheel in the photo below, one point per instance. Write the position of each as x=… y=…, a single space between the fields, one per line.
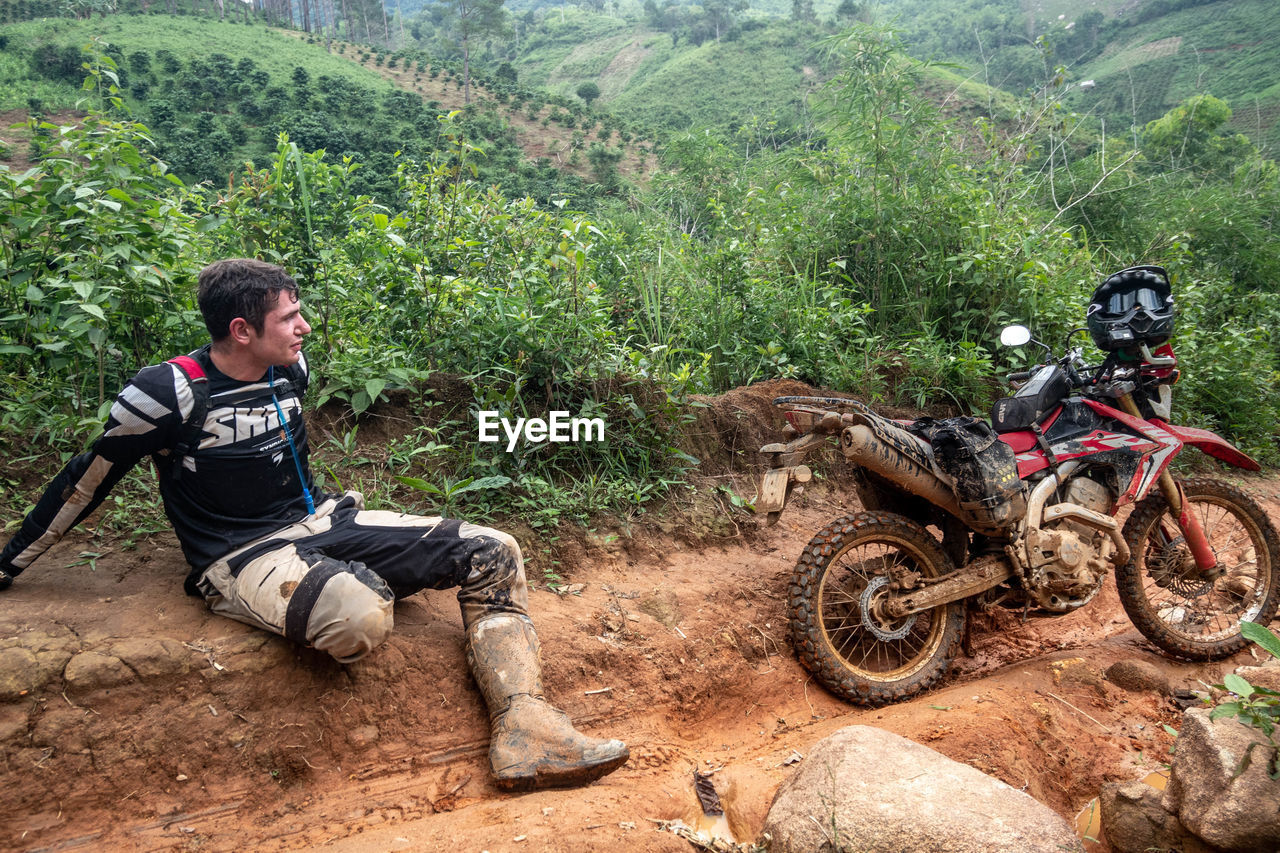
x=841 y=634
x=1174 y=605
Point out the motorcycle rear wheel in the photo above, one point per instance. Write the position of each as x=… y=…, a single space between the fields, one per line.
x=863 y=657
x=1188 y=616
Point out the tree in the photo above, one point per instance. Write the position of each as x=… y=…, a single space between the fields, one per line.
x=1090 y=23
x=604 y=164
x=721 y=13
x=475 y=19
x=852 y=10
x=1187 y=136
x=588 y=91
x=140 y=62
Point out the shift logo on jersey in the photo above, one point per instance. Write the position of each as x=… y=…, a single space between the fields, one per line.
x=228 y=425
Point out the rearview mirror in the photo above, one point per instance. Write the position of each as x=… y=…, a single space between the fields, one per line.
x=1015 y=336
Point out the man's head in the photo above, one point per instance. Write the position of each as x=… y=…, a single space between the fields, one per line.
x=253 y=314
x=240 y=287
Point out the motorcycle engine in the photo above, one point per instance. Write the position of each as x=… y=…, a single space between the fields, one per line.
x=1069 y=559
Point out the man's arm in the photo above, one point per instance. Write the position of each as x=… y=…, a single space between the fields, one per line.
x=146 y=417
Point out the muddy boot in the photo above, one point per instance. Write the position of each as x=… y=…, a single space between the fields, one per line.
x=533 y=744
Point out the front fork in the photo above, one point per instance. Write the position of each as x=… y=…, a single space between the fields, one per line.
x=1188 y=522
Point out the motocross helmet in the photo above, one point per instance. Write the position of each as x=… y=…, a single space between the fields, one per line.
x=1132 y=307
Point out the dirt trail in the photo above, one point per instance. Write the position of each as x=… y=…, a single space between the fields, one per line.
x=207 y=735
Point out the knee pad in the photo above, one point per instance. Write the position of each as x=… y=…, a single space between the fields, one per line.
x=503 y=543
x=349 y=617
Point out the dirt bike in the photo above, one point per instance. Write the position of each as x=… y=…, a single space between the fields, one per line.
x=1026 y=506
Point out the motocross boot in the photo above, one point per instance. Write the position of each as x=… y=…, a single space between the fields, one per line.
x=533 y=745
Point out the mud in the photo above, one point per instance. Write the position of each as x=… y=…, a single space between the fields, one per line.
x=132 y=719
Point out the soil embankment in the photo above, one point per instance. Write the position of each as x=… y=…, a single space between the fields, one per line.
x=178 y=730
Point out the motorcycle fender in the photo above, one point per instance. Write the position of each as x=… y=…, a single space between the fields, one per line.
x=1214 y=445
x=777 y=485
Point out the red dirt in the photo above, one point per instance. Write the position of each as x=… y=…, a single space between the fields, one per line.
x=15 y=136
x=681 y=651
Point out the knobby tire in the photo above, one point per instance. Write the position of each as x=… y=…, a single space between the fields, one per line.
x=1185 y=615
x=833 y=572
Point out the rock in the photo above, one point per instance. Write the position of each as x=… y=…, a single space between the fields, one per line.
x=153 y=657
x=94 y=671
x=1227 y=807
x=31 y=660
x=1077 y=671
x=259 y=653
x=745 y=793
x=1134 y=821
x=1261 y=676
x=386 y=666
x=363 y=737
x=19 y=673
x=1138 y=676
x=867 y=790
x=245 y=644
x=51 y=663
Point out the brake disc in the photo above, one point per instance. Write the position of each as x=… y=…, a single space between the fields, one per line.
x=1168 y=567
x=881 y=632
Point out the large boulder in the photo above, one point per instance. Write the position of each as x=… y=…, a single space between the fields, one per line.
x=1220 y=787
x=870 y=791
x=1134 y=821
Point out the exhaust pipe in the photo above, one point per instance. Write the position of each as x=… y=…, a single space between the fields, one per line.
x=898 y=457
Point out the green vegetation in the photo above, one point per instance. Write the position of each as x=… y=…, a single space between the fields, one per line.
x=1142 y=59
x=1258 y=707
x=274 y=52
x=218 y=94
x=868 y=231
x=766 y=73
x=1220 y=48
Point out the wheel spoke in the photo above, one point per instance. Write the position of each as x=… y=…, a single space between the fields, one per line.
x=841 y=623
x=844 y=620
x=1177 y=607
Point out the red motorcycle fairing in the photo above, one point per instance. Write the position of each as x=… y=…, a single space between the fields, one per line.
x=1024 y=441
x=1154 y=461
x=1145 y=452
x=1212 y=444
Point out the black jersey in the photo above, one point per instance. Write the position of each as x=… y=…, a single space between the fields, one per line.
x=238 y=484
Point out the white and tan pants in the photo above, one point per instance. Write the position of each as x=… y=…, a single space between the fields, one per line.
x=330 y=581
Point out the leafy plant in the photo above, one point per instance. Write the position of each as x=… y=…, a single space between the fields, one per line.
x=99 y=241
x=447 y=492
x=1258 y=707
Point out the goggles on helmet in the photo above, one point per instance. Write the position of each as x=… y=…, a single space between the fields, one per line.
x=1125 y=300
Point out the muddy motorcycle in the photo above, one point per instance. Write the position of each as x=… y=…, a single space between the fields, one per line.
x=1026 y=506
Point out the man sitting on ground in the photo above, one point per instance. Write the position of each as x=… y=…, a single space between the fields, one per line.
x=225 y=429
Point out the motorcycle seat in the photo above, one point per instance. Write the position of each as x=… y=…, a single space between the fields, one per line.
x=1021 y=441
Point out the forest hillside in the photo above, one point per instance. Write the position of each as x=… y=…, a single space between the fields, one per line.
x=722 y=199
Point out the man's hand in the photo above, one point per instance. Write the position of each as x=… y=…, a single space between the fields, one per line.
x=6 y=580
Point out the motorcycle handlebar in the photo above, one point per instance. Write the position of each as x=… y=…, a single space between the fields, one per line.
x=1020 y=376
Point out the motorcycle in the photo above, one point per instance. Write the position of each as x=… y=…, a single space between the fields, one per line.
x=1026 y=506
